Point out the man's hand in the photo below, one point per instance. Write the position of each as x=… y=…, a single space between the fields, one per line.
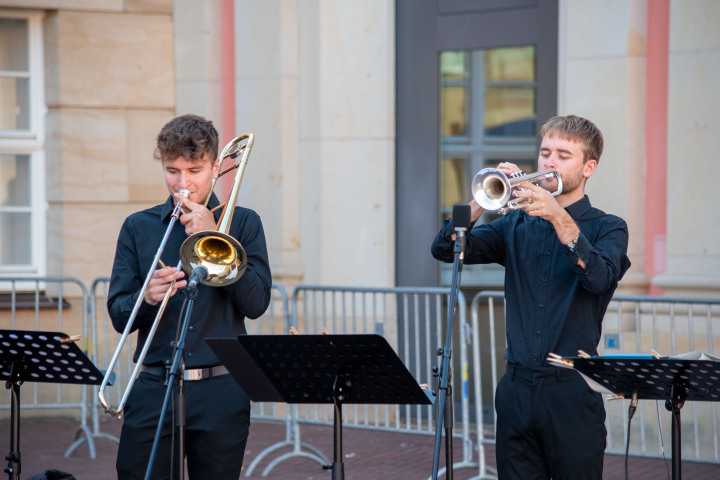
x=542 y=204
x=545 y=206
x=195 y=217
x=161 y=281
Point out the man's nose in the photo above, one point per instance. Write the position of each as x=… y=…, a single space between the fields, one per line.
x=183 y=180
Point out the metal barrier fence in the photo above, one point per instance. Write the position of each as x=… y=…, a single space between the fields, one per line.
x=632 y=324
x=105 y=340
x=413 y=321
x=50 y=304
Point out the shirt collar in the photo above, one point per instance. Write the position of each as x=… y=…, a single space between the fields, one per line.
x=579 y=208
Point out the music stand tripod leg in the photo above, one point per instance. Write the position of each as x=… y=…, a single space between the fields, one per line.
x=339 y=390
x=14 y=457
x=674 y=404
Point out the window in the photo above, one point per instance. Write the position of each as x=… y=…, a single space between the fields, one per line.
x=22 y=160
x=487 y=116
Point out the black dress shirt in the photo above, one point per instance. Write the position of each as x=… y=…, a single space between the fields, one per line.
x=552 y=304
x=218 y=312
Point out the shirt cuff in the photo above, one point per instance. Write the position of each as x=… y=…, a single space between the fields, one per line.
x=581 y=250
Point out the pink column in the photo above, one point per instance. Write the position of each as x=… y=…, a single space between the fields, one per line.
x=656 y=128
x=227 y=73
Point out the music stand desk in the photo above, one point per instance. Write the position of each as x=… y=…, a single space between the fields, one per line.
x=320 y=369
x=674 y=380
x=48 y=357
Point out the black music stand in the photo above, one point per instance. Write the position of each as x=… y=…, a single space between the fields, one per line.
x=337 y=369
x=31 y=356
x=674 y=380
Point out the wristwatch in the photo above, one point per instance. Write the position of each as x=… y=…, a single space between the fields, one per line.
x=573 y=244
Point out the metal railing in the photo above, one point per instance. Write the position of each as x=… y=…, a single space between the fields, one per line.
x=632 y=324
x=51 y=304
x=105 y=339
x=413 y=321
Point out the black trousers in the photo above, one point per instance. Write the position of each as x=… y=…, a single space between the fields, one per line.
x=216 y=431
x=550 y=424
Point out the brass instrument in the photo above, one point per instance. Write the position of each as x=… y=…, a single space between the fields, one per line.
x=216 y=250
x=492 y=189
x=222 y=256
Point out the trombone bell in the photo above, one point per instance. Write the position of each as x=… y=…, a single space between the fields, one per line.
x=221 y=254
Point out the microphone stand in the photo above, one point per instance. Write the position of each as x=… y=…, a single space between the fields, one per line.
x=444 y=410
x=198 y=275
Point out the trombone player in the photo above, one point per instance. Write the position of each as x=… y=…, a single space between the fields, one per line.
x=563 y=260
x=217 y=410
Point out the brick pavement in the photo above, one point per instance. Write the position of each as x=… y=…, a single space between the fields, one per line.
x=368 y=455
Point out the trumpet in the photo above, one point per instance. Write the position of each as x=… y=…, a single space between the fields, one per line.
x=492 y=189
x=219 y=253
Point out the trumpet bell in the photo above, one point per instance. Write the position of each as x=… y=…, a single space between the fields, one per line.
x=490 y=189
x=221 y=254
x=493 y=190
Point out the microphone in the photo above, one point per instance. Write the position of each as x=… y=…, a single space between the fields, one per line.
x=461 y=217
x=461 y=222
x=199 y=274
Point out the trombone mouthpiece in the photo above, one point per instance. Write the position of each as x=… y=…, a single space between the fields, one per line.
x=184 y=193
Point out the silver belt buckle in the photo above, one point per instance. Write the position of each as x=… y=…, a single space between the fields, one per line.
x=193 y=374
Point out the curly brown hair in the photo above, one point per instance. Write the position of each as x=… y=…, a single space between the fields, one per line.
x=189 y=136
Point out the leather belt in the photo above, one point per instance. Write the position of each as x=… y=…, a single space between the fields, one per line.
x=191 y=374
x=515 y=371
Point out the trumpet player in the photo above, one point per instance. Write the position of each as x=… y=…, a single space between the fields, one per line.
x=217 y=415
x=563 y=260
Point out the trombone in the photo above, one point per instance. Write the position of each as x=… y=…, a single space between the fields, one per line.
x=492 y=189
x=218 y=252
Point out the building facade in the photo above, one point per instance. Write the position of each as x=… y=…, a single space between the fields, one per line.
x=369 y=120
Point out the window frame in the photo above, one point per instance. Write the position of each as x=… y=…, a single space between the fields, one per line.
x=479 y=151
x=32 y=143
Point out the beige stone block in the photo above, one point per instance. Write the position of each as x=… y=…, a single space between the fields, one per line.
x=271 y=185
x=146 y=183
x=357 y=70
x=87 y=156
x=82 y=239
x=692 y=167
x=95 y=5
x=690 y=274
x=149 y=6
x=198 y=47
x=604 y=100
x=607 y=28
x=357 y=195
x=278 y=54
x=693 y=25
x=202 y=97
x=113 y=60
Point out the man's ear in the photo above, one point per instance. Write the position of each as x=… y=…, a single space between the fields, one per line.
x=216 y=168
x=589 y=168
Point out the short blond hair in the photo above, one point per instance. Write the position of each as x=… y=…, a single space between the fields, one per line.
x=577 y=129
